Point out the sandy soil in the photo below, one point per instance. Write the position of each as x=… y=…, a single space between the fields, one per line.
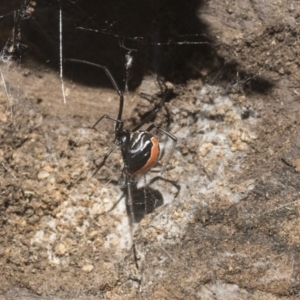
x=226 y=222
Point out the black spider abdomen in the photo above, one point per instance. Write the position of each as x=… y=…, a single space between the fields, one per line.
x=142 y=152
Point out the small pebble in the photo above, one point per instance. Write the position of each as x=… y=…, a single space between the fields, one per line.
x=42 y=175
x=88 y=268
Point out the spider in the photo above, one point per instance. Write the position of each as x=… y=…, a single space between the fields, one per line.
x=139 y=148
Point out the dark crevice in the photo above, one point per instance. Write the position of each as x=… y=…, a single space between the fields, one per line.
x=166 y=37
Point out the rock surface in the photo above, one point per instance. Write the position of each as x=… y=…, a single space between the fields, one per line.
x=226 y=226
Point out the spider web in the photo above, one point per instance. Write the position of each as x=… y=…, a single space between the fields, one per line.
x=48 y=106
x=25 y=96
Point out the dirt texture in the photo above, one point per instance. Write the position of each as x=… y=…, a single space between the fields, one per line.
x=224 y=216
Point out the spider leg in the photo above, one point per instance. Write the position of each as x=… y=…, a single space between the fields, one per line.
x=113 y=207
x=110 y=118
x=113 y=147
x=175 y=184
x=114 y=83
x=128 y=183
x=163 y=87
x=171 y=136
x=108 y=153
x=164 y=90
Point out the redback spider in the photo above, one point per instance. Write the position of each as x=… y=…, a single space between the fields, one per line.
x=139 y=148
